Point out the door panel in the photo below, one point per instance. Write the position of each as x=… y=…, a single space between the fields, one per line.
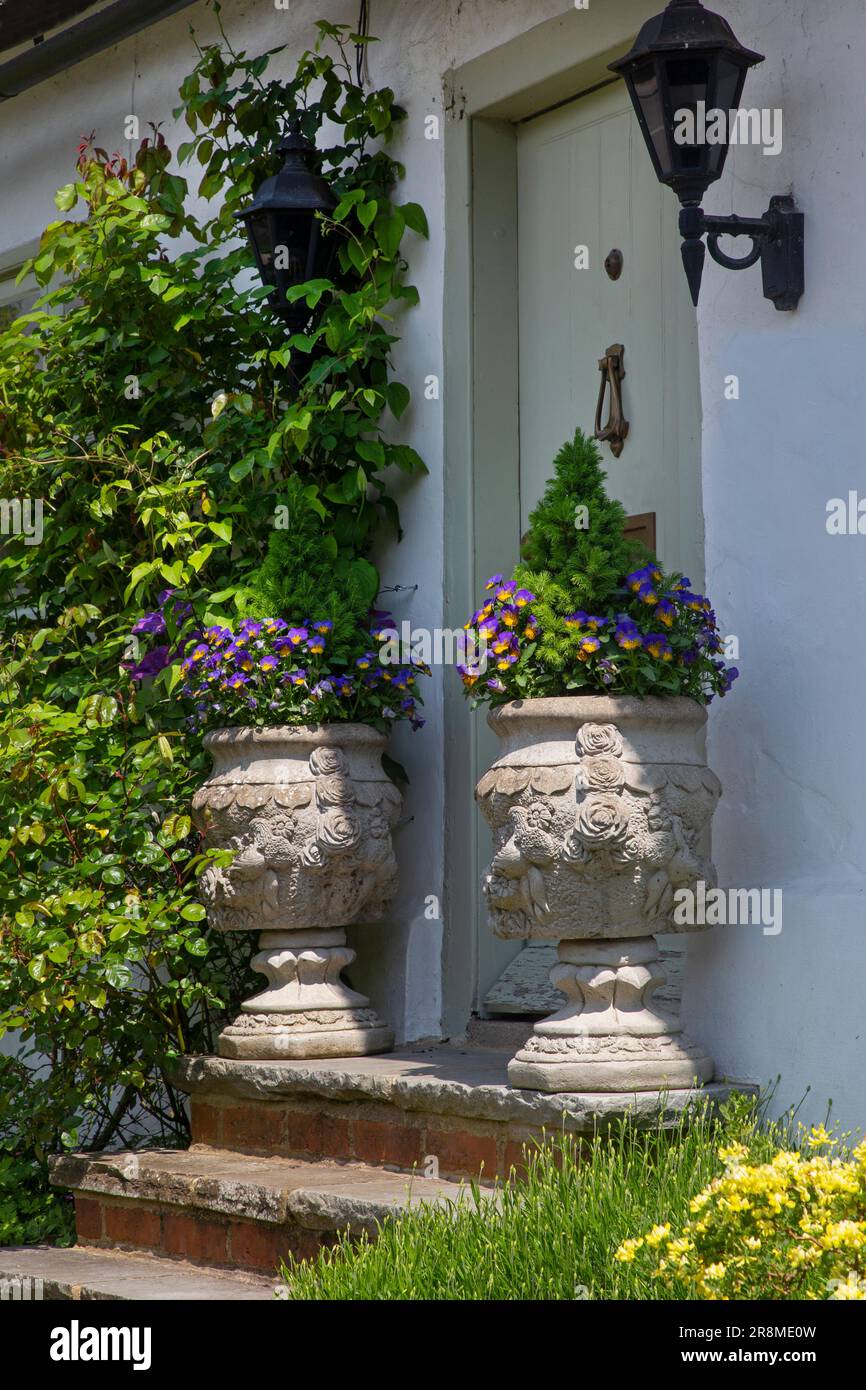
x=584 y=179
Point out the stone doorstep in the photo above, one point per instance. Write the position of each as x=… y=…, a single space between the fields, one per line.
x=438 y=1079
x=233 y=1209
x=82 y=1273
x=447 y=1103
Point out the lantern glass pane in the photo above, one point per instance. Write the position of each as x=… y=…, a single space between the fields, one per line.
x=291 y=244
x=648 y=94
x=729 y=81
x=688 y=80
x=259 y=234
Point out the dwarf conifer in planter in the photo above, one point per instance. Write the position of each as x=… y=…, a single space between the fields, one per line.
x=596 y=665
x=586 y=609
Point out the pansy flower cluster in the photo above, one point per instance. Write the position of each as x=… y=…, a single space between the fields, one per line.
x=272 y=671
x=655 y=636
x=501 y=631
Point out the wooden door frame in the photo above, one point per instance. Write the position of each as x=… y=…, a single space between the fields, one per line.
x=485 y=100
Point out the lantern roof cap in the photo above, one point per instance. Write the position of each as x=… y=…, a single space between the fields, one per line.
x=292 y=139
x=685 y=24
x=296 y=188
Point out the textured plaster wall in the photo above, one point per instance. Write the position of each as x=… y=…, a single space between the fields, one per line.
x=789 y=743
x=399 y=963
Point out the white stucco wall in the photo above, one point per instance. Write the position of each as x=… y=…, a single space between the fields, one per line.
x=787 y=744
x=399 y=964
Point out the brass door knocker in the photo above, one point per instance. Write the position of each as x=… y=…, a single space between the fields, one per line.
x=612 y=373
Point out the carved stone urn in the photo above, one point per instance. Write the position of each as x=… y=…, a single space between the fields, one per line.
x=308 y=812
x=600 y=808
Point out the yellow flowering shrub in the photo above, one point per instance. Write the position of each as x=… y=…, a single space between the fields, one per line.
x=792 y=1227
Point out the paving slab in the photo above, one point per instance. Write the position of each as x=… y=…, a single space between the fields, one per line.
x=440 y=1079
x=80 y=1273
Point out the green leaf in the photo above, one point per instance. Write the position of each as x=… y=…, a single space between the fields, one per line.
x=118 y=975
x=210 y=185
x=395 y=771
x=388 y=230
x=358 y=257
x=406 y=458
x=198 y=558
x=193 y=912
x=66 y=197
x=346 y=203
x=155 y=222
x=37 y=969
x=415 y=217
x=371 y=450
x=398 y=398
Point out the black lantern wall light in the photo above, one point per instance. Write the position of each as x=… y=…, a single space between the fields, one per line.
x=687 y=60
x=285 y=229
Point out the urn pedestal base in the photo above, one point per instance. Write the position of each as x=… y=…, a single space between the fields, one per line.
x=306 y=1010
x=610 y=1036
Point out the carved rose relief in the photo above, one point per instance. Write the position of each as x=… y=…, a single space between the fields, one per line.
x=337 y=831
x=601 y=820
x=603 y=773
x=334 y=791
x=325 y=761
x=599 y=738
x=596 y=847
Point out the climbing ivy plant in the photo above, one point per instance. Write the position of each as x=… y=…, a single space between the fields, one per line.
x=332 y=427
x=153 y=408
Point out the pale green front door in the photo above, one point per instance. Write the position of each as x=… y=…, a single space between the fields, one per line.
x=585 y=181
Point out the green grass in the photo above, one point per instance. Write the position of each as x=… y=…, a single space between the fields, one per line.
x=551 y=1236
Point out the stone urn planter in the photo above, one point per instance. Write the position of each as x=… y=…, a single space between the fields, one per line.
x=308 y=811
x=600 y=808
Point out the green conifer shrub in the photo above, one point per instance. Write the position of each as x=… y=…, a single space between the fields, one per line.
x=306 y=576
x=587 y=610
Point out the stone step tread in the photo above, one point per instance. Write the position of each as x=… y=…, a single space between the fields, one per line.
x=319 y=1195
x=83 y=1273
x=439 y=1079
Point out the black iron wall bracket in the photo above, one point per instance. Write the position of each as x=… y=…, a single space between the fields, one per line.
x=777 y=242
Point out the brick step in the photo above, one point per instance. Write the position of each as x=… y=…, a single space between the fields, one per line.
x=235 y=1210
x=441 y=1110
x=82 y=1273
